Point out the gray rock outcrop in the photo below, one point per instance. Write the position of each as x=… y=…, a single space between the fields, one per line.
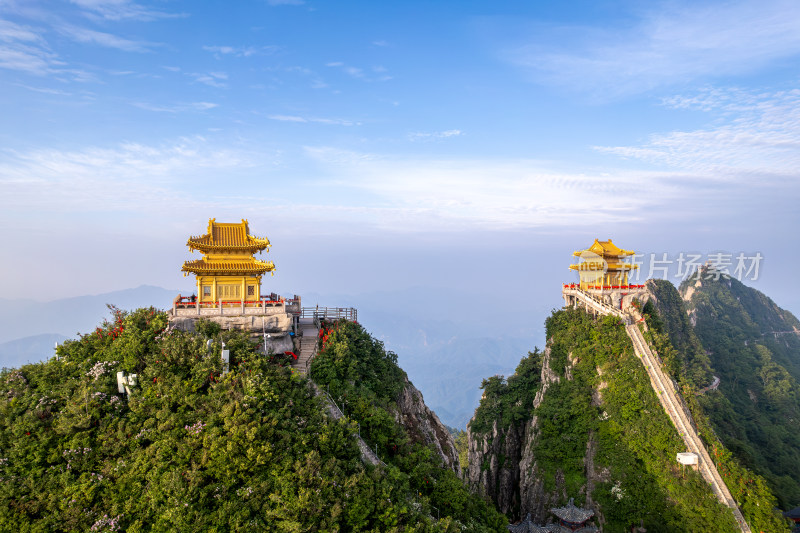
x=424 y=427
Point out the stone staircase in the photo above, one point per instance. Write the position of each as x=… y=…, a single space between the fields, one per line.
x=306 y=345
x=668 y=396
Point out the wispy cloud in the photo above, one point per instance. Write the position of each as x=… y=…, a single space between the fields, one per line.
x=69 y=181
x=671 y=44
x=318 y=120
x=427 y=194
x=212 y=79
x=240 y=51
x=121 y=10
x=286 y=2
x=753 y=132
x=432 y=136
x=24 y=49
x=85 y=35
x=177 y=108
x=360 y=73
x=408 y=194
x=45 y=90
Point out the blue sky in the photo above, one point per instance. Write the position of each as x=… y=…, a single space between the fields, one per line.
x=460 y=145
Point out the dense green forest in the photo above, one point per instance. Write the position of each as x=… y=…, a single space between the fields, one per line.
x=754 y=348
x=602 y=401
x=365 y=380
x=193 y=449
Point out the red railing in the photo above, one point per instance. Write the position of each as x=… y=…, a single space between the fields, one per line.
x=184 y=302
x=602 y=287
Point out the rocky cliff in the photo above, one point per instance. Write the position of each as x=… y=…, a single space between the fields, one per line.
x=424 y=427
x=501 y=465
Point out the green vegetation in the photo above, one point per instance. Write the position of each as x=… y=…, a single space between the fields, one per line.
x=462 y=446
x=364 y=379
x=508 y=401
x=748 y=489
x=755 y=351
x=603 y=407
x=193 y=450
x=681 y=352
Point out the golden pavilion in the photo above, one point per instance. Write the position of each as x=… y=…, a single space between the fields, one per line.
x=603 y=266
x=228 y=271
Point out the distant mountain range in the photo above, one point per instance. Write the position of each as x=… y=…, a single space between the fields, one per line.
x=448 y=341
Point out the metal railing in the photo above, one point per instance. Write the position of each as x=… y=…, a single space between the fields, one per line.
x=329 y=313
x=372 y=449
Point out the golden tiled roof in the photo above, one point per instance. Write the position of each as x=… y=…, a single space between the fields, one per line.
x=604 y=249
x=228 y=236
x=251 y=266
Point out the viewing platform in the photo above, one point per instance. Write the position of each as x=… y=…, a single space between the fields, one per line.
x=603 y=299
x=270 y=304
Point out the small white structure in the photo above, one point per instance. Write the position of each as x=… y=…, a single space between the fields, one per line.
x=226 y=359
x=688 y=458
x=124 y=383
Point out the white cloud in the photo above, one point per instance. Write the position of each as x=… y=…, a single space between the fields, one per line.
x=46 y=90
x=23 y=48
x=10 y=32
x=358 y=73
x=212 y=79
x=178 y=108
x=426 y=195
x=318 y=120
x=669 y=44
x=121 y=10
x=240 y=51
x=753 y=132
x=85 y=35
x=116 y=178
x=423 y=136
x=408 y=194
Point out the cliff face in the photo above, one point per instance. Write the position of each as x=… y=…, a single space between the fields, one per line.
x=424 y=427
x=580 y=420
x=502 y=462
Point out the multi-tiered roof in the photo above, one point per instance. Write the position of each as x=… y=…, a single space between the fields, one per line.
x=228 y=249
x=603 y=265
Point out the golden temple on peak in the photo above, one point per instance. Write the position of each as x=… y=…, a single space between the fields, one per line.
x=228 y=270
x=603 y=266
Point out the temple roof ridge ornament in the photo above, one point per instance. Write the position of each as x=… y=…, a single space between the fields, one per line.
x=603 y=249
x=234 y=236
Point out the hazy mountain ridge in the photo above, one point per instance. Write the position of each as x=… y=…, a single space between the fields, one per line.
x=67 y=316
x=29 y=349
